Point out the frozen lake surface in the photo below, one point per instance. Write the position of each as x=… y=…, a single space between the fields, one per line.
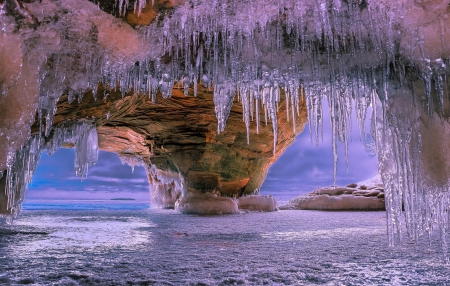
x=141 y=246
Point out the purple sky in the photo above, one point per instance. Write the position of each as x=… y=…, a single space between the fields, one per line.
x=55 y=179
x=302 y=168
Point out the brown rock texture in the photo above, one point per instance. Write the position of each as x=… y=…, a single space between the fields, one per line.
x=179 y=135
x=149 y=13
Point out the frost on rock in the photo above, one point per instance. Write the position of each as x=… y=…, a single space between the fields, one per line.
x=165 y=186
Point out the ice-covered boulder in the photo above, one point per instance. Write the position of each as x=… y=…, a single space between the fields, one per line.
x=205 y=204
x=335 y=203
x=367 y=195
x=258 y=203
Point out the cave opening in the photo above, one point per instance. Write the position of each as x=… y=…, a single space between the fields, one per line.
x=109 y=182
x=307 y=165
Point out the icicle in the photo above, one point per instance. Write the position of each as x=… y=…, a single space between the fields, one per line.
x=223 y=100
x=20 y=169
x=245 y=100
x=86 y=149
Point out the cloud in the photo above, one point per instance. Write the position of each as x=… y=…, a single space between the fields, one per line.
x=55 y=178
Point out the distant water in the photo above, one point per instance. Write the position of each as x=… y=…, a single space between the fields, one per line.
x=129 y=244
x=85 y=205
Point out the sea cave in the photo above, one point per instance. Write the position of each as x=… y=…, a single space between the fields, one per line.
x=205 y=96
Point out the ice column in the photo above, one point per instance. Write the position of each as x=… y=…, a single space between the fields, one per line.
x=223 y=100
x=86 y=149
x=413 y=163
x=20 y=169
x=165 y=186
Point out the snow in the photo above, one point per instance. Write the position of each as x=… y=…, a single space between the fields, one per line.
x=374 y=181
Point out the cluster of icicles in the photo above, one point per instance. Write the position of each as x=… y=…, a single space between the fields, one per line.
x=344 y=50
x=22 y=165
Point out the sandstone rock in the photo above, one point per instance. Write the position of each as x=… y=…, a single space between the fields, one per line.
x=258 y=203
x=150 y=11
x=360 y=193
x=178 y=135
x=372 y=194
x=353 y=185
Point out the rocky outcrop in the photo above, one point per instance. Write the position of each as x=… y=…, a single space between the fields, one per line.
x=352 y=197
x=179 y=135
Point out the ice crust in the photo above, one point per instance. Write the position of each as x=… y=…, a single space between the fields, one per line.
x=206 y=204
x=335 y=203
x=352 y=52
x=258 y=203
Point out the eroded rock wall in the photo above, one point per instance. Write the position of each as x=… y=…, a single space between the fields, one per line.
x=179 y=135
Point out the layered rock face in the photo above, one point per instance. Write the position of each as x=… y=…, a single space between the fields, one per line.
x=179 y=136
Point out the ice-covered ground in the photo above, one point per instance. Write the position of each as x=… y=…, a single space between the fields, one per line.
x=162 y=247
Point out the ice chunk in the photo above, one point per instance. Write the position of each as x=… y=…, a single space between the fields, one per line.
x=258 y=203
x=206 y=204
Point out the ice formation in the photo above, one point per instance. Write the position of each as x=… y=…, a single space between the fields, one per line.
x=356 y=53
x=258 y=203
x=22 y=164
x=166 y=187
x=206 y=204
